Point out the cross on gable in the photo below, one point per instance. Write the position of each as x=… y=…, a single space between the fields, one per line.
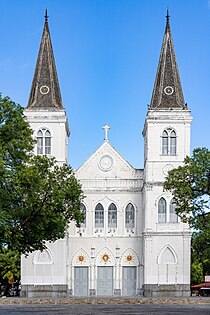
x=106 y=129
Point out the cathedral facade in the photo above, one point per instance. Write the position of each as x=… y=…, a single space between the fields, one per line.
x=131 y=241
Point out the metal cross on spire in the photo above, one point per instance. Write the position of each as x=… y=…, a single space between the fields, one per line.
x=46 y=16
x=167 y=17
x=106 y=129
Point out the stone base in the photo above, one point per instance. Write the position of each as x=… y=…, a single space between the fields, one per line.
x=117 y=292
x=69 y=292
x=44 y=291
x=166 y=290
x=92 y=292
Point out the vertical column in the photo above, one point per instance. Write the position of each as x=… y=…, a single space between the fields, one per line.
x=117 y=289
x=92 y=290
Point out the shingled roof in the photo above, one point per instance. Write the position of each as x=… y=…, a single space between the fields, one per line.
x=45 y=90
x=167 y=92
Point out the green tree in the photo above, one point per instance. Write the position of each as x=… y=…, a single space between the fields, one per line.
x=9 y=266
x=200 y=257
x=190 y=186
x=38 y=199
x=196 y=272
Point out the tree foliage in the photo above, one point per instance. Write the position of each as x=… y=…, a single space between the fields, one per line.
x=9 y=264
x=38 y=198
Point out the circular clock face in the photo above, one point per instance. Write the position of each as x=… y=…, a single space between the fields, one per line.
x=106 y=163
x=44 y=89
x=168 y=90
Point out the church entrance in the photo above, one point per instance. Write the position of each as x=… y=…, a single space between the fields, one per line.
x=81 y=281
x=105 y=281
x=129 y=281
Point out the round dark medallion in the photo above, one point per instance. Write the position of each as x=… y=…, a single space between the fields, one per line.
x=168 y=90
x=44 y=89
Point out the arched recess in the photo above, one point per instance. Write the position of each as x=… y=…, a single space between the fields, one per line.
x=129 y=258
x=130 y=216
x=167 y=266
x=81 y=258
x=43 y=257
x=167 y=256
x=105 y=258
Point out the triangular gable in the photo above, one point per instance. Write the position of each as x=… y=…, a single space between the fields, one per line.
x=106 y=162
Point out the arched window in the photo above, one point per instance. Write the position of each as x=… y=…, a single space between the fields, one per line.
x=99 y=215
x=83 y=210
x=47 y=138
x=112 y=215
x=162 y=210
x=39 y=142
x=165 y=142
x=173 y=142
x=129 y=216
x=43 y=142
x=169 y=142
x=173 y=216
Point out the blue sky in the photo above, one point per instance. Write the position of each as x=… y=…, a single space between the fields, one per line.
x=107 y=53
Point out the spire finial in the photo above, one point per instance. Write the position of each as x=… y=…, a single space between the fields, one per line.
x=46 y=16
x=167 y=17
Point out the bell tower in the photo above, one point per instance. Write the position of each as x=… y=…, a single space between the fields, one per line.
x=166 y=144
x=45 y=112
x=44 y=272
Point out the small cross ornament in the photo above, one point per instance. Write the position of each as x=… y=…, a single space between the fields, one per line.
x=106 y=129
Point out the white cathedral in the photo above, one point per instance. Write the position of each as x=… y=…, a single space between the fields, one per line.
x=131 y=241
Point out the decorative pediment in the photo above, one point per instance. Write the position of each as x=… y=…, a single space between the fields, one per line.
x=81 y=258
x=106 y=162
x=105 y=258
x=129 y=258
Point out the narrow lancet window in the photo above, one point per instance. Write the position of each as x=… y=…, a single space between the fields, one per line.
x=99 y=215
x=173 y=216
x=162 y=210
x=129 y=216
x=112 y=216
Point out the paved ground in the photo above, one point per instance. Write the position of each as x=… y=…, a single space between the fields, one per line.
x=76 y=309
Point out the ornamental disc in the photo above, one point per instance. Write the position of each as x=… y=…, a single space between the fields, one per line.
x=106 y=163
x=168 y=90
x=44 y=89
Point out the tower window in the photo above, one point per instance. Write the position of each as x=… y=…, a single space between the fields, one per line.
x=43 y=142
x=112 y=215
x=173 y=216
x=169 y=142
x=129 y=216
x=99 y=215
x=162 y=210
x=83 y=210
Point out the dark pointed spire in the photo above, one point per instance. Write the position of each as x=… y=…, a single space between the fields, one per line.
x=45 y=90
x=167 y=92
